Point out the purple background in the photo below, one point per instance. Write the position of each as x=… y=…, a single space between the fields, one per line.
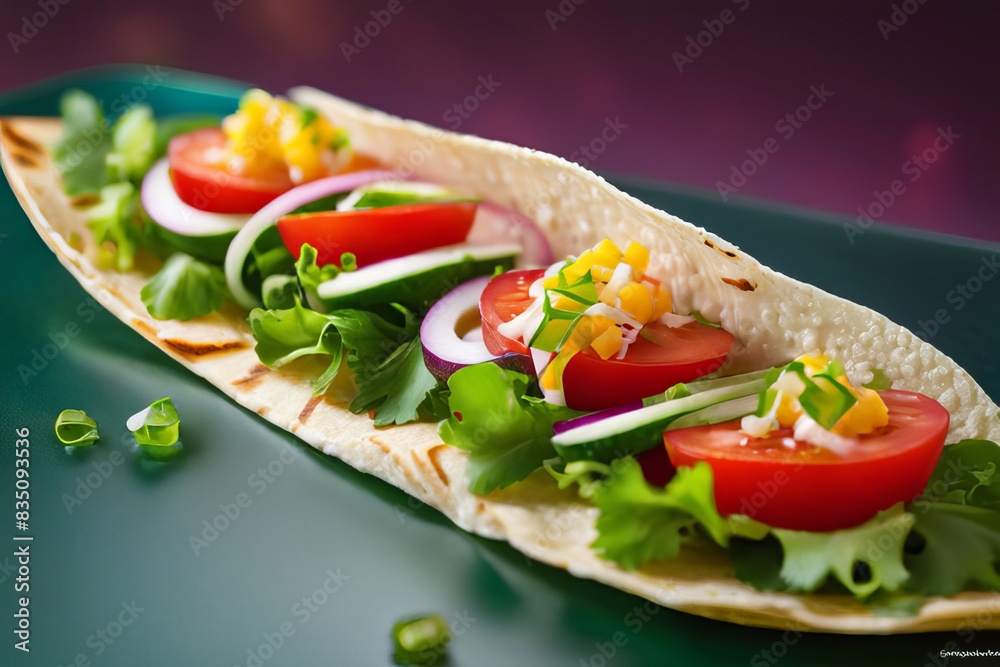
x=559 y=80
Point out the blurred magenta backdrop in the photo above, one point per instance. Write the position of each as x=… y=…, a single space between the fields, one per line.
x=692 y=93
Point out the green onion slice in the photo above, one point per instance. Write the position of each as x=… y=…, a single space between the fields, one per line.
x=75 y=429
x=421 y=639
x=156 y=428
x=824 y=399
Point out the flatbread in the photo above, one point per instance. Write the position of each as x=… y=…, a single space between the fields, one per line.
x=773 y=317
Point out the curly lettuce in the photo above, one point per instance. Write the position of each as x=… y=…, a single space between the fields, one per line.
x=507 y=432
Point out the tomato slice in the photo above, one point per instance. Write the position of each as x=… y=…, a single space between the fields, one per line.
x=786 y=483
x=661 y=356
x=202 y=179
x=377 y=234
x=504 y=298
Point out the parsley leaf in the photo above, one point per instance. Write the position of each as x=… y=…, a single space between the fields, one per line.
x=397 y=388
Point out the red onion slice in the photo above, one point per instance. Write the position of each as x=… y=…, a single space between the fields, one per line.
x=444 y=351
x=278 y=207
x=496 y=224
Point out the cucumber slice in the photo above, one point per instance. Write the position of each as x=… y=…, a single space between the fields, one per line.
x=399 y=193
x=199 y=233
x=638 y=430
x=716 y=414
x=415 y=281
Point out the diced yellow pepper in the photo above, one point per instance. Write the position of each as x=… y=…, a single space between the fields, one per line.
x=580 y=266
x=868 y=414
x=636 y=300
x=600 y=274
x=608 y=343
x=637 y=256
x=572 y=305
x=269 y=132
x=663 y=303
x=788 y=411
x=606 y=254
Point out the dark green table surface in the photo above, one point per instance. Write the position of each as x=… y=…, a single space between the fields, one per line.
x=328 y=554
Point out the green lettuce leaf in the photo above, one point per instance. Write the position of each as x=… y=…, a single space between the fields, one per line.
x=311 y=275
x=966 y=474
x=117 y=225
x=286 y=335
x=953 y=548
x=639 y=522
x=587 y=475
x=386 y=358
x=280 y=291
x=863 y=559
x=133 y=145
x=184 y=288
x=86 y=138
x=506 y=432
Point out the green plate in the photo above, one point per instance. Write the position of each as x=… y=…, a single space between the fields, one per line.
x=252 y=549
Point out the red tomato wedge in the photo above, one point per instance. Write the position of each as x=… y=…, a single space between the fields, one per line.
x=377 y=234
x=790 y=484
x=204 y=182
x=660 y=358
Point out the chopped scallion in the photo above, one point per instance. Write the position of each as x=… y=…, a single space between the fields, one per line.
x=420 y=640
x=75 y=429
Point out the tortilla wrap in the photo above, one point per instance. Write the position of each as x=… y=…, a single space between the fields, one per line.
x=773 y=317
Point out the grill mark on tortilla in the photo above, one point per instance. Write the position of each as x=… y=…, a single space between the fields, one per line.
x=727 y=253
x=408 y=474
x=24 y=160
x=201 y=349
x=381 y=445
x=143 y=328
x=434 y=456
x=21 y=141
x=187 y=348
x=741 y=283
x=307 y=411
x=85 y=200
x=253 y=377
